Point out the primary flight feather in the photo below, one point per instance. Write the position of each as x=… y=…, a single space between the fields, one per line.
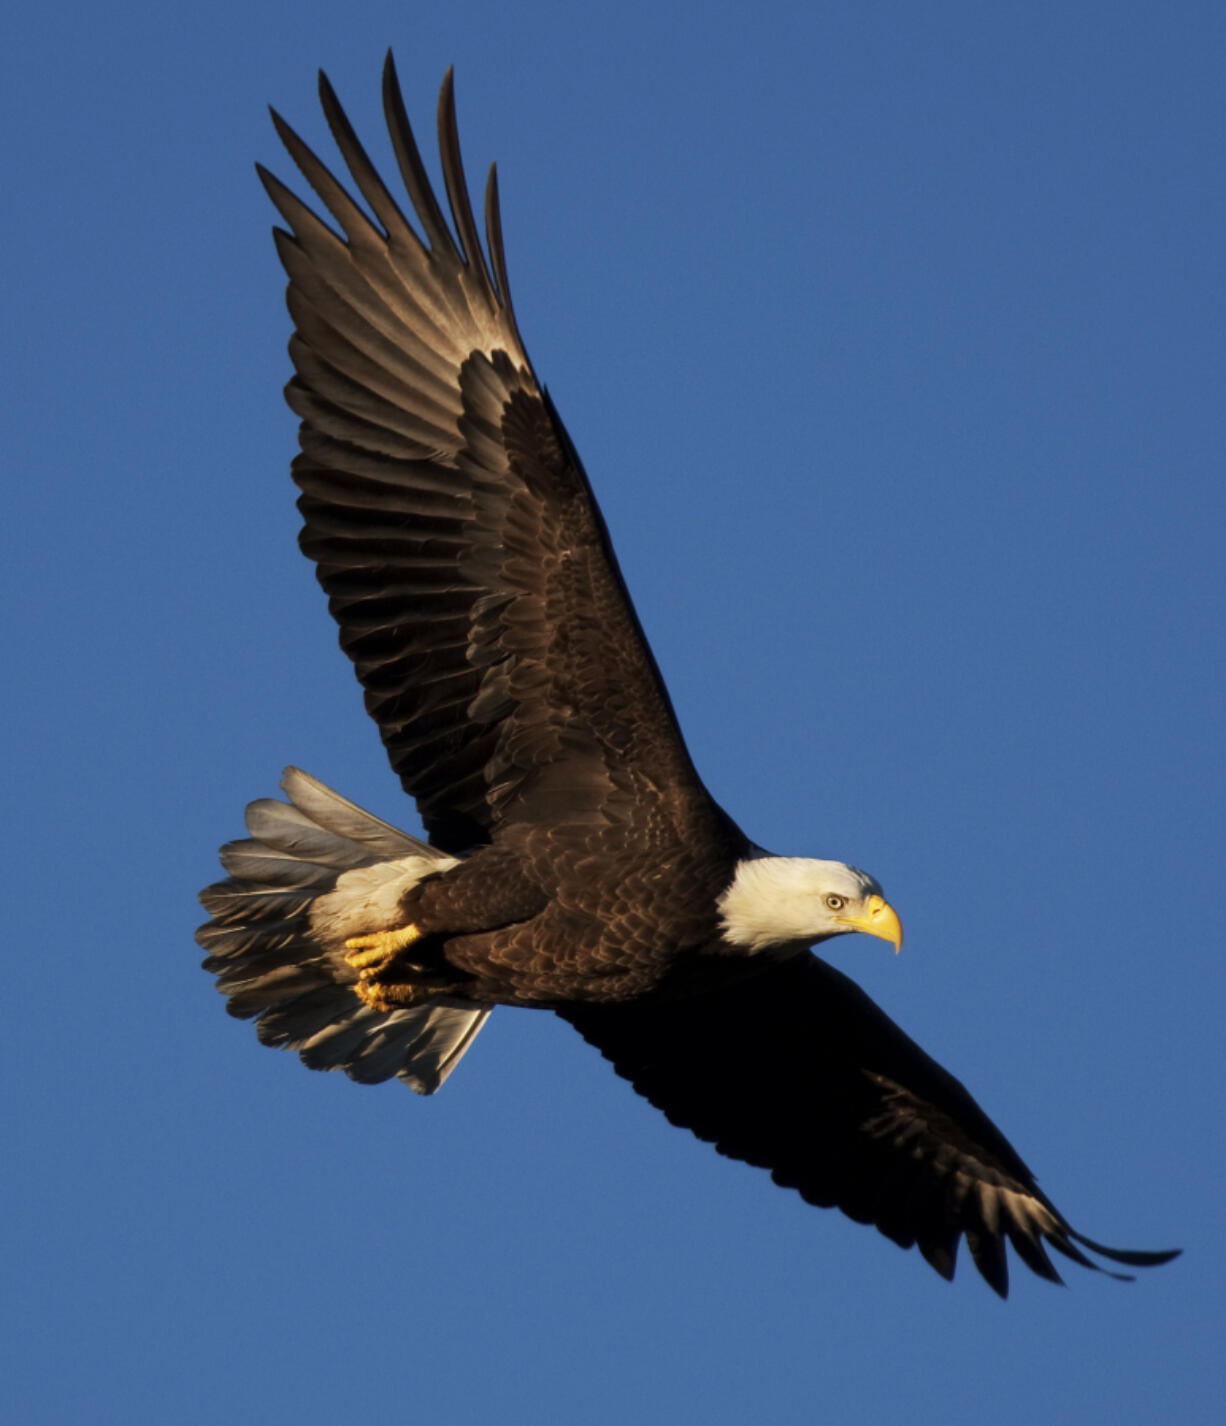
x=575 y=860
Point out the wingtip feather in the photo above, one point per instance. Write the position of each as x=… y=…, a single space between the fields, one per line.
x=1129 y=1257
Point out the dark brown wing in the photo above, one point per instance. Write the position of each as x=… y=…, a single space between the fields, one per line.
x=452 y=524
x=795 y=1070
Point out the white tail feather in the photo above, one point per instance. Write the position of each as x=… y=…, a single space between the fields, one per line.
x=313 y=872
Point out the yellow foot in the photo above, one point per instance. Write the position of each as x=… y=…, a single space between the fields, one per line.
x=373 y=953
x=380 y=996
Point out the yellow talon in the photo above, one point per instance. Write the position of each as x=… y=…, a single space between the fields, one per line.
x=371 y=956
x=377 y=950
x=368 y=994
x=386 y=997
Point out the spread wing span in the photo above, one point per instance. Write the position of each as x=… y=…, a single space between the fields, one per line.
x=572 y=843
x=449 y=517
x=795 y=1070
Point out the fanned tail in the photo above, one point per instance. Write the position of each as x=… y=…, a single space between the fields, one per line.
x=312 y=872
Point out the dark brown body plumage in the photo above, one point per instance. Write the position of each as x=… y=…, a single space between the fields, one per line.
x=575 y=858
x=544 y=925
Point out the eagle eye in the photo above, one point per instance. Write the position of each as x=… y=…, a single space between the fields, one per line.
x=835 y=903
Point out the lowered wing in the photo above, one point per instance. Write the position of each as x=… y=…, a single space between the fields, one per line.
x=795 y=1070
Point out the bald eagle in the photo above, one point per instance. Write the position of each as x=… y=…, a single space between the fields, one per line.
x=575 y=860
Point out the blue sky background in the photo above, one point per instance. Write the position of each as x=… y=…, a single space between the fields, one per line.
x=892 y=339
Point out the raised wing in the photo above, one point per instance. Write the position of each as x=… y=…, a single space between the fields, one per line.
x=449 y=517
x=795 y=1070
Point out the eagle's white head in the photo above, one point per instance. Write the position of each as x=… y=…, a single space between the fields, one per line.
x=778 y=901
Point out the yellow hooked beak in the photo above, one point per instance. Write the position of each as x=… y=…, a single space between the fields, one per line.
x=879 y=919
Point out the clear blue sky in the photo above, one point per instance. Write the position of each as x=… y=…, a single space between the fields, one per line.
x=892 y=339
